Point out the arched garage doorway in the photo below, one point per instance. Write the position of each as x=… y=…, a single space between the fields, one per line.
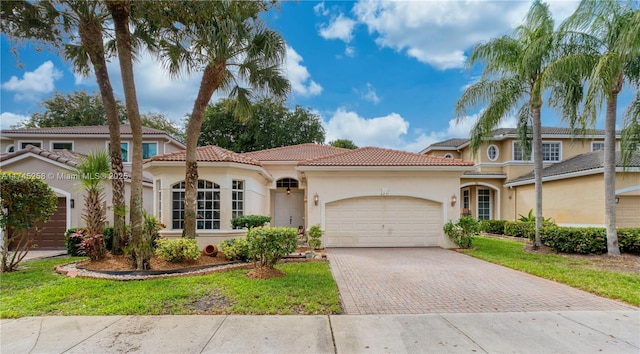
x=383 y=221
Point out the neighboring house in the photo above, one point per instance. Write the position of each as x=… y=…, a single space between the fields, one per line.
x=501 y=186
x=368 y=197
x=52 y=154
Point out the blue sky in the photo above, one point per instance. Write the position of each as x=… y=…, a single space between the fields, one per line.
x=379 y=73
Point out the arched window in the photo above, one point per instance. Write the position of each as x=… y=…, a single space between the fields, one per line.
x=207 y=206
x=448 y=156
x=287 y=183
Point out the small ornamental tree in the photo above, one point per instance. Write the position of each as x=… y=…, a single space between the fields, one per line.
x=27 y=202
x=269 y=244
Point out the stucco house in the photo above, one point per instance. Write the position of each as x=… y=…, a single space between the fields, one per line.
x=52 y=154
x=501 y=184
x=368 y=197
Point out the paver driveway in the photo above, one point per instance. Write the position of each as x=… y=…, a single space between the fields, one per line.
x=434 y=280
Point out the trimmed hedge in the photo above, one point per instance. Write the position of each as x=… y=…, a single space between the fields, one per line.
x=236 y=249
x=589 y=240
x=520 y=229
x=493 y=226
x=178 y=249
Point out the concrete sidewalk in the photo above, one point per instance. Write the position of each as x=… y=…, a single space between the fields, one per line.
x=520 y=332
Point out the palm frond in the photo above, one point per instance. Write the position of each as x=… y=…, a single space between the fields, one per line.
x=631 y=131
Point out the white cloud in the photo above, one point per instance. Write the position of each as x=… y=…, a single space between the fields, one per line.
x=384 y=131
x=370 y=94
x=8 y=119
x=340 y=27
x=299 y=76
x=350 y=51
x=319 y=9
x=34 y=83
x=439 y=32
x=156 y=90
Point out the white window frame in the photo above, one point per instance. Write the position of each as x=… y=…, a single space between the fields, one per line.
x=559 y=143
x=235 y=211
x=466 y=199
x=513 y=152
x=60 y=142
x=497 y=152
x=478 y=203
x=448 y=156
x=214 y=189
x=159 y=199
x=27 y=142
x=9 y=147
x=593 y=143
x=151 y=142
x=108 y=146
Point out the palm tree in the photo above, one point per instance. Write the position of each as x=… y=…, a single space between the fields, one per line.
x=512 y=82
x=120 y=12
x=604 y=35
x=55 y=24
x=227 y=41
x=93 y=171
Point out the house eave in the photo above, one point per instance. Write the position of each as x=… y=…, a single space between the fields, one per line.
x=386 y=168
x=593 y=171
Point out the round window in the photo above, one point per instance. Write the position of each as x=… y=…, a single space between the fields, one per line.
x=448 y=156
x=492 y=152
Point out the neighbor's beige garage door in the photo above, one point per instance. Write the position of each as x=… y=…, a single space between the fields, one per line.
x=628 y=211
x=383 y=222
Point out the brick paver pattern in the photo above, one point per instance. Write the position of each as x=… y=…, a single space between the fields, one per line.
x=434 y=280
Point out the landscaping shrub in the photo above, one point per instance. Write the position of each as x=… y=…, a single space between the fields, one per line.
x=520 y=229
x=268 y=245
x=492 y=226
x=236 y=249
x=108 y=237
x=249 y=221
x=72 y=239
x=314 y=236
x=140 y=252
x=26 y=201
x=93 y=247
x=629 y=240
x=462 y=232
x=177 y=250
x=576 y=240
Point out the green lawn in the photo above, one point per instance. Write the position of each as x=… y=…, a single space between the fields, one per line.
x=576 y=273
x=308 y=288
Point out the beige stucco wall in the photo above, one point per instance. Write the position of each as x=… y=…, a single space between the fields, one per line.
x=60 y=177
x=437 y=186
x=572 y=201
x=256 y=195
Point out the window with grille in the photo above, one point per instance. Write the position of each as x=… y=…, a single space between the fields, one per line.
x=237 y=198
x=484 y=204
x=207 y=206
x=550 y=151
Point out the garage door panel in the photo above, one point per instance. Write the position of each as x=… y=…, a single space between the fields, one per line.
x=383 y=222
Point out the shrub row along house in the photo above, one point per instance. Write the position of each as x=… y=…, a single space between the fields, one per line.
x=501 y=186
x=360 y=198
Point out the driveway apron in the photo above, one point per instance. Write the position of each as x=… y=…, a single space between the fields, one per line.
x=434 y=280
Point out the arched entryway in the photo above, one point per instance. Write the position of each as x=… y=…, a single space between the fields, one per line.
x=289 y=203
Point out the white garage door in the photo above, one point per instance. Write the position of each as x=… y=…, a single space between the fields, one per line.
x=383 y=222
x=627 y=211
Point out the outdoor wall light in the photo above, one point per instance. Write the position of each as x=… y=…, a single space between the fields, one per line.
x=617 y=200
x=453 y=200
x=316 y=198
x=288 y=190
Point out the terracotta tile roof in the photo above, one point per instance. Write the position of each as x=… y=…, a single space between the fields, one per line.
x=66 y=157
x=125 y=129
x=209 y=153
x=372 y=156
x=583 y=162
x=300 y=152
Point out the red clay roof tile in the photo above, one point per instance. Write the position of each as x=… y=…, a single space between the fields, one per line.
x=372 y=156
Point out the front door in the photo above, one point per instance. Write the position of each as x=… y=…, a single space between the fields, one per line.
x=289 y=209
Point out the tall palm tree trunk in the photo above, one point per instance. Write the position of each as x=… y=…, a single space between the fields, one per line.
x=120 y=11
x=211 y=79
x=537 y=168
x=610 y=171
x=91 y=37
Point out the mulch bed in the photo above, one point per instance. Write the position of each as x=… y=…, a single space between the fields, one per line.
x=120 y=263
